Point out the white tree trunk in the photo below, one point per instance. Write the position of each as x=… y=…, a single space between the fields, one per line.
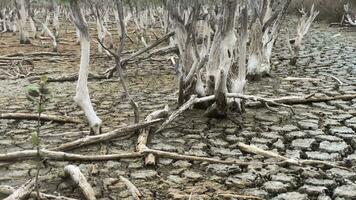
x=82 y=97
x=22 y=22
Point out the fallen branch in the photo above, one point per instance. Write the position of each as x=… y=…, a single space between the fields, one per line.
x=177 y=156
x=44 y=117
x=239 y=196
x=301 y=79
x=305 y=99
x=72 y=77
x=263 y=101
x=143 y=137
x=23 y=191
x=79 y=179
x=255 y=150
x=62 y=156
x=120 y=132
x=136 y=194
x=8 y=190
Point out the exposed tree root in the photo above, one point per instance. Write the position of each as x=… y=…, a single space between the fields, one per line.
x=120 y=132
x=8 y=190
x=136 y=194
x=79 y=179
x=44 y=117
x=23 y=191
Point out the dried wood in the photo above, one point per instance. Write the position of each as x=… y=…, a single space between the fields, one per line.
x=239 y=196
x=44 y=117
x=79 y=179
x=177 y=156
x=23 y=191
x=120 y=132
x=258 y=151
x=136 y=194
x=8 y=190
x=305 y=99
x=62 y=156
x=143 y=137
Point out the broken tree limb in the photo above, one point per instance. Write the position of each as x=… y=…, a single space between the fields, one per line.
x=23 y=191
x=120 y=132
x=8 y=190
x=79 y=179
x=62 y=156
x=143 y=137
x=136 y=194
x=44 y=117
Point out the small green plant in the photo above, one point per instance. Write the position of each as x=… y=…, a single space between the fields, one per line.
x=38 y=95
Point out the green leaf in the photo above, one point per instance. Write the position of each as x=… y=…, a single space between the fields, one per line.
x=34 y=139
x=33 y=90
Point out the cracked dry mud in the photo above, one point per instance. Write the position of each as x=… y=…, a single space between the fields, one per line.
x=321 y=131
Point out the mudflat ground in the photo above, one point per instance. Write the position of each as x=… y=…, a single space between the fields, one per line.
x=322 y=131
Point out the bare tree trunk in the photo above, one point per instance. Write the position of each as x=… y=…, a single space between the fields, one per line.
x=22 y=22
x=82 y=97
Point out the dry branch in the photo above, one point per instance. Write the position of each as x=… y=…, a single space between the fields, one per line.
x=44 y=117
x=305 y=99
x=177 y=156
x=258 y=151
x=143 y=137
x=62 y=156
x=79 y=179
x=120 y=132
x=239 y=196
x=136 y=194
x=23 y=191
x=8 y=190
